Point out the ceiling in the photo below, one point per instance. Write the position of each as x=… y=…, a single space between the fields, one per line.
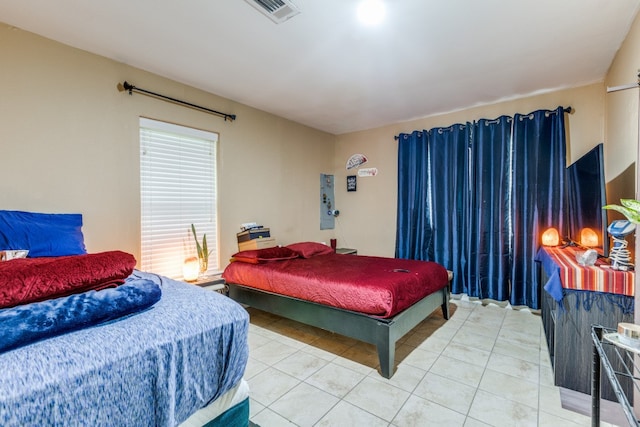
x=323 y=69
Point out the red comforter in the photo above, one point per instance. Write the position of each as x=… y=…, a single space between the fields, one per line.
x=372 y=285
x=29 y=280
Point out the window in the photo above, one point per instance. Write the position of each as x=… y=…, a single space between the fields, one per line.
x=178 y=188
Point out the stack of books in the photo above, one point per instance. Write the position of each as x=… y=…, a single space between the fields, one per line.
x=253 y=233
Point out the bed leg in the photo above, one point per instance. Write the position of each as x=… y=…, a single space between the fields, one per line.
x=445 y=305
x=386 y=356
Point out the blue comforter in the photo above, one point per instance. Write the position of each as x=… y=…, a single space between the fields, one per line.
x=154 y=368
x=28 y=323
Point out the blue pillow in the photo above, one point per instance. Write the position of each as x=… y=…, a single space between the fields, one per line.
x=42 y=234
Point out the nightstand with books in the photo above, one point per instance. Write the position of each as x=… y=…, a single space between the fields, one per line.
x=347 y=251
x=212 y=283
x=255 y=238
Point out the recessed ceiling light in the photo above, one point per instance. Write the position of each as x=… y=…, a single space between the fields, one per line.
x=371 y=12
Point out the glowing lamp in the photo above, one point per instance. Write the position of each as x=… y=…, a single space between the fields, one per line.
x=588 y=237
x=190 y=269
x=550 y=237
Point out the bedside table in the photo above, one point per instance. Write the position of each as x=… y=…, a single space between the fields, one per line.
x=346 y=251
x=212 y=283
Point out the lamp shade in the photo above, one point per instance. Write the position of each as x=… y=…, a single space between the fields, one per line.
x=550 y=237
x=588 y=237
x=190 y=269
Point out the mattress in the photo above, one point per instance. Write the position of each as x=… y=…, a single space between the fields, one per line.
x=228 y=400
x=153 y=368
x=374 y=286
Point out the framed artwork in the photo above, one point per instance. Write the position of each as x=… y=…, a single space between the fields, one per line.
x=352 y=181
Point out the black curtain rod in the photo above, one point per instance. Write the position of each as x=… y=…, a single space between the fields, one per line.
x=131 y=88
x=567 y=110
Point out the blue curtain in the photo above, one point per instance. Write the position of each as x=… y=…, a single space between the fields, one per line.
x=434 y=197
x=489 y=231
x=449 y=166
x=413 y=236
x=475 y=198
x=539 y=159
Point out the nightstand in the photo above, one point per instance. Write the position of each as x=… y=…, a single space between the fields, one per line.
x=212 y=283
x=347 y=251
x=259 y=243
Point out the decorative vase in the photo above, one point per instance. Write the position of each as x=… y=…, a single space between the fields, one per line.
x=204 y=265
x=203 y=251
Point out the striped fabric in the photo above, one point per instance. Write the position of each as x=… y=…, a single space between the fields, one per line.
x=599 y=277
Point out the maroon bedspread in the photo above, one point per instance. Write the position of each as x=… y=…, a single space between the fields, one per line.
x=29 y=280
x=372 y=285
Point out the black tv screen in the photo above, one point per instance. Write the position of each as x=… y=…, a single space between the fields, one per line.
x=586 y=196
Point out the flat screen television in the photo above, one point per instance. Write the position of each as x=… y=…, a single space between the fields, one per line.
x=586 y=195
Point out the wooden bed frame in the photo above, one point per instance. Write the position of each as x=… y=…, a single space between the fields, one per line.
x=383 y=333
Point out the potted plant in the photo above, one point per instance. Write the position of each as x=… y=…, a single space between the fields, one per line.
x=203 y=251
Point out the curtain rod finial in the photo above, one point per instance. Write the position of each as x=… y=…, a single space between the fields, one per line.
x=126 y=86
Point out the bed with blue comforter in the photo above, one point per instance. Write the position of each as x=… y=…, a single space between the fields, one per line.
x=170 y=349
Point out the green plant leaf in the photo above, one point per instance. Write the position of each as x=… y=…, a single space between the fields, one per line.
x=205 y=252
x=195 y=237
x=630 y=214
x=632 y=204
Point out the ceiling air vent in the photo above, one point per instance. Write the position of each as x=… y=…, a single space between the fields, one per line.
x=276 y=10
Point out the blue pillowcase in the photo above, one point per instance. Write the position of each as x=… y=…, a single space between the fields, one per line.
x=42 y=234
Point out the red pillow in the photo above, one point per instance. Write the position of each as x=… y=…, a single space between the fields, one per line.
x=256 y=256
x=309 y=249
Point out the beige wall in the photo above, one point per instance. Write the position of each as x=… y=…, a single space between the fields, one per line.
x=368 y=216
x=69 y=143
x=621 y=126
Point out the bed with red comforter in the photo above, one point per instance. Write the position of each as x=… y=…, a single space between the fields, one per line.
x=373 y=299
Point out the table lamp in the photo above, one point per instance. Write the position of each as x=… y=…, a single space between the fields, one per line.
x=190 y=269
x=550 y=237
x=588 y=237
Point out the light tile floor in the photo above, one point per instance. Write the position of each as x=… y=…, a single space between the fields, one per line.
x=485 y=366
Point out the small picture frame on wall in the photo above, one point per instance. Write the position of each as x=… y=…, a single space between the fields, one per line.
x=352 y=182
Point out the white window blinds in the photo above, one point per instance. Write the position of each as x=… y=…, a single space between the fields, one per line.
x=178 y=188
